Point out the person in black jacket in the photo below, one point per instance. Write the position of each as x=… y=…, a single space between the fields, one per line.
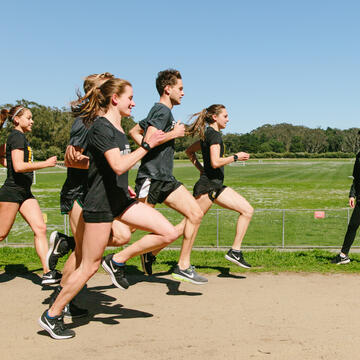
x=354 y=196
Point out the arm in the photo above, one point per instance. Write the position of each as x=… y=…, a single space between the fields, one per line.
x=74 y=158
x=217 y=161
x=137 y=134
x=17 y=157
x=3 y=155
x=352 y=196
x=191 y=153
x=122 y=163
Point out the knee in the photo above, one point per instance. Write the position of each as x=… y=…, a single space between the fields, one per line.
x=170 y=235
x=40 y=230
x=90 y=269
x=119 y=239
x=196 y=216
x=248 y=212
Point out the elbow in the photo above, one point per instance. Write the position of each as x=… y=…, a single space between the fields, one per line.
x=215 y=165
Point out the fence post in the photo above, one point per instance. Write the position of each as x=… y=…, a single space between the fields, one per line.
x=217 y=228
x=283 y=228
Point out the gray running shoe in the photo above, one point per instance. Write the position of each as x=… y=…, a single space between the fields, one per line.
x=340 y=260
x=51 y=277
x=55 y=327
x=188 y=275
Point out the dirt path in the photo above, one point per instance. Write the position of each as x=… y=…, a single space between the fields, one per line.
x=255 y=316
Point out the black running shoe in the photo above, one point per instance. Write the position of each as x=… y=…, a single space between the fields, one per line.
x=147 y=261
x=51 y=277
x=117 y=273
x=340 y=260
x=60 y=245
x=73 y=311
x=237 y=258
x=55 y=327
x=189 y=275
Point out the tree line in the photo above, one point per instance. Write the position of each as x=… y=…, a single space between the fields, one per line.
x=51 y=131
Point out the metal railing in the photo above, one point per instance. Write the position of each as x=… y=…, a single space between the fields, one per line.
x=269 y=228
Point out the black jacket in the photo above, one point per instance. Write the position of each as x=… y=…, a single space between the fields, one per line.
x=355 y=187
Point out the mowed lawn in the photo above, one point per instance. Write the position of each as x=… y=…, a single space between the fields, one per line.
x=269 y=185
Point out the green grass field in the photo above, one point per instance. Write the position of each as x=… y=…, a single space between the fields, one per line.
x=267 y=185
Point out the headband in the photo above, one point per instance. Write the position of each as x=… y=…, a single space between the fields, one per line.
x=17 y=111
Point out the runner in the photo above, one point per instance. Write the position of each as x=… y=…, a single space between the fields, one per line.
x=354 y=196
x=72 y=198
x=210 y=188
x=155 y=182
x=15 y=194
x=108 y=196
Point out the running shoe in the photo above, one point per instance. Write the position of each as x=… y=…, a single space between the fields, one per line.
x=340 y=260
x=237 y=258
x=55 y=327
x=117 y=273
x=60 y=245
x=73 y=311
x=189 y=275
x=51 y=277
x=147 y=261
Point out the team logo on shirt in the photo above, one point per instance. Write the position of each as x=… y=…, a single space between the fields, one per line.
x=30 y=156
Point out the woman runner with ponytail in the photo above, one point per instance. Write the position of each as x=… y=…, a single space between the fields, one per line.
x=210 y=187
x=15 y=194
x=108 y=197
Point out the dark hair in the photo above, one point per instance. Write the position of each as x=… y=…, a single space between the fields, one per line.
x=204 y=117
x=97 y=98
x=166 y=77
x=5 y=114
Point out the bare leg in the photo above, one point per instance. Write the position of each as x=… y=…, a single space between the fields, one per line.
x=183 y=202
x=30 y=211
x=8 y=211
x=96 y=237
x=146 y=218
x=77 y=227
x=120 y=233
x=230 y=199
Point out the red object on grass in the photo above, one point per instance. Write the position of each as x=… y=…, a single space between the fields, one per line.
x=319 y=214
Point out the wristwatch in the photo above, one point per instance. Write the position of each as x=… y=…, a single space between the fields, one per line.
x=235 y=157
x=146 y=146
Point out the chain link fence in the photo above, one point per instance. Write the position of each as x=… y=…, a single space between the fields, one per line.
x=269 y=228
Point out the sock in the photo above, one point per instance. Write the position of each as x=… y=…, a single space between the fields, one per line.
x=50 y=317
x=117 y=263
x=236 y=251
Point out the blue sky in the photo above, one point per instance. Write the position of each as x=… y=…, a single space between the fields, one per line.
x=267 y=61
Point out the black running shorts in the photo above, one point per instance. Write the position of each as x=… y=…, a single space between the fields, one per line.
x=15 y=195
x=206 y=186
x=106 y=216
x=67 y=204
x=156 y=191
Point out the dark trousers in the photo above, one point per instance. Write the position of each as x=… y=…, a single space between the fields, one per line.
x=351 y=230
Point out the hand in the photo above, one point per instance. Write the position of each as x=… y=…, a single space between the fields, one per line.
x=352 y=202
x=51 y=162
x=132 y=193
x=156 y=138
x=243 y=156
x=179 y=129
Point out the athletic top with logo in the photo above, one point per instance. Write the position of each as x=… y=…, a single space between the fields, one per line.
x=355 y=187
x=107 y=192
x=212 y=137
x=17 y=140
x=158 y=163
x=75 y=185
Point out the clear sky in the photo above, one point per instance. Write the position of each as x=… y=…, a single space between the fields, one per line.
x=267 y=61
